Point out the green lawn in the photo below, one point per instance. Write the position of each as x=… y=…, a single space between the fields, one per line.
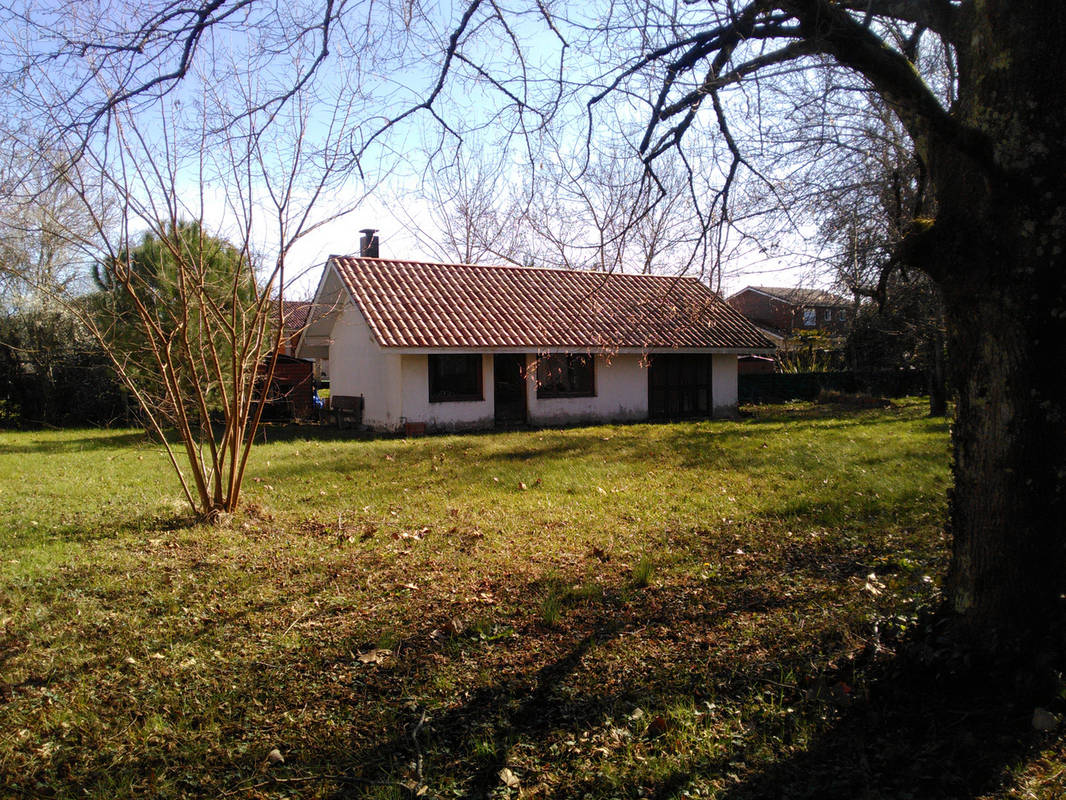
x=705 y=609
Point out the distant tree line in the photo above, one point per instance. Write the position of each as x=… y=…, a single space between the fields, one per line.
x=52 y=373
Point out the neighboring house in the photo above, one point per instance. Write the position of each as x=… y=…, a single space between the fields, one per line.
x=297 y=315
x=290 y=394
x=463 y=346
x=781 y=312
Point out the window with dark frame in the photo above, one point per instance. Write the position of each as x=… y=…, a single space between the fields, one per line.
x=809 y=318
x=565 y=375
x=454 y=378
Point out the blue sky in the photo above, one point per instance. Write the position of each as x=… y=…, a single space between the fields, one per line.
x=380 y=63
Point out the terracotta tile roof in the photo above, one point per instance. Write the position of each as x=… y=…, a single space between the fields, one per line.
x=296 y=313
x=800 y=297
x=418 y=304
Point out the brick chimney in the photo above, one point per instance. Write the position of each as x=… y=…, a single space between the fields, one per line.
x=368 y=245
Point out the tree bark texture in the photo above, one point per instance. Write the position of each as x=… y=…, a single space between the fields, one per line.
x=998 y=257
x=1006 y=507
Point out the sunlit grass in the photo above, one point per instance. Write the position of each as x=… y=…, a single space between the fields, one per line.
x=528 y=592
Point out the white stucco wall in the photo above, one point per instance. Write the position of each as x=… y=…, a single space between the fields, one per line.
x=467 y=414
x=724 y=385
x=359 y=366
x=396 y=386
x=621 y=394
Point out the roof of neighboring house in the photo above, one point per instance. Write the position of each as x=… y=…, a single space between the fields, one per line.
x=798 y=297
x=296 y=313
x=417 y=304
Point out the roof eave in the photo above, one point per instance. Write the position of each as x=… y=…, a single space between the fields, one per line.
x=600 y=350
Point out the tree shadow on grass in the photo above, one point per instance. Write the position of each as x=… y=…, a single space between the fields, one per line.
x=33 y=443
x=921 y=722
x=927 y=725
x=99 y=528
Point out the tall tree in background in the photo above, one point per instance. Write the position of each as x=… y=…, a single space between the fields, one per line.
x=471 y=212
x=54 y=372
x=43 y=224
x=169 y=292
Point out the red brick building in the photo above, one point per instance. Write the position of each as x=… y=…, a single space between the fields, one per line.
x=784 y=311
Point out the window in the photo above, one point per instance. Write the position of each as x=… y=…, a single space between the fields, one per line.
x=809 y=317
x=565 y=375
x=842 y=315
x=827 y=315
x=453 y=378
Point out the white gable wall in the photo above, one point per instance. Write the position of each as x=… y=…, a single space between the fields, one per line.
x=359 y=366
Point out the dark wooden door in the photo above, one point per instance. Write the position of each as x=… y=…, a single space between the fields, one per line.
x=509 y=385
x=679 y=386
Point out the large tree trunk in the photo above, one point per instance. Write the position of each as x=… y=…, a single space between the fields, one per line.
x=1008 y=356
x=1000 y=235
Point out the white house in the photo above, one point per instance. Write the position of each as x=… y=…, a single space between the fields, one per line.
x=464 y=346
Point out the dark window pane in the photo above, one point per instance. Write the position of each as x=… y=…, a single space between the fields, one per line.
x=454 y=377
x=565 y=375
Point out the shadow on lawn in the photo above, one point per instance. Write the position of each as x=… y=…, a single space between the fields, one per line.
x=41 y=445
x=917 y=732
x=701 y=442
x=918 y=724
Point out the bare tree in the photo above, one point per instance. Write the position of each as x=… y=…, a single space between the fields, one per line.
x=864 y=211
x=43 y=225
x=603 y=209
x=466 y=210
x=219 y=184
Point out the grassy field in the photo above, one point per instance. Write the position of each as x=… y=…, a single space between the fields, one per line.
x=708 y=609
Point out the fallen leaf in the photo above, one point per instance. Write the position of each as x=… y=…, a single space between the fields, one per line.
x=600 y=553
x=375 y=656
x=508 y=778
x=873 y=585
